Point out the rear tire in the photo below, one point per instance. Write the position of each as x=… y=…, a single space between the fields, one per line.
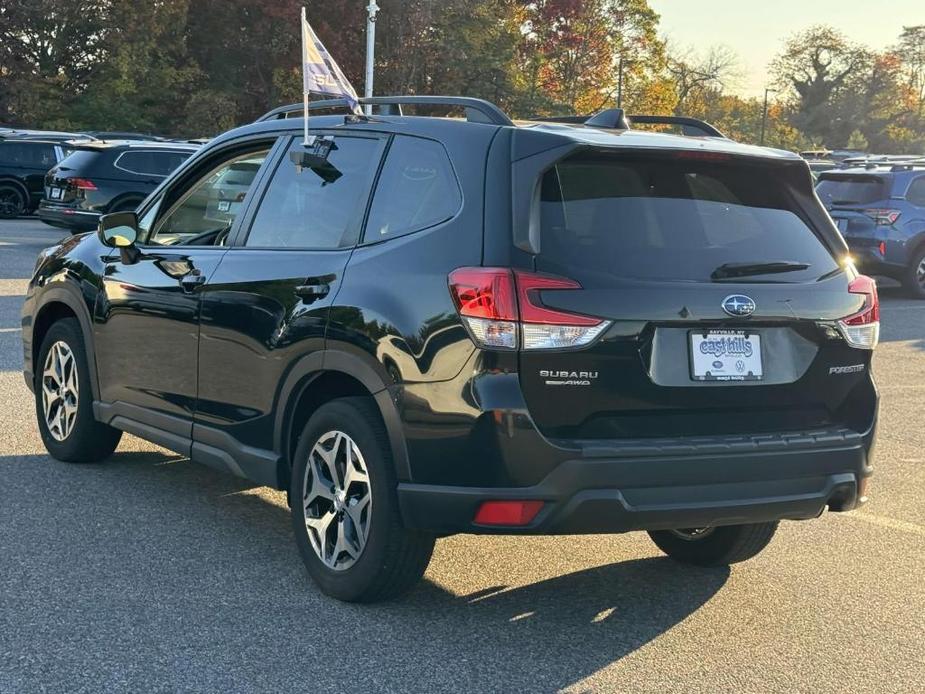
x=914 y=280
x=347 y=526
x=720 y=546
x=63 y=400
x=12 y=202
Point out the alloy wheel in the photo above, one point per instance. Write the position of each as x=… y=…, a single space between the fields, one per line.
x=60 y=390
x=10 y=203
x=337 y=499
x=920 y=273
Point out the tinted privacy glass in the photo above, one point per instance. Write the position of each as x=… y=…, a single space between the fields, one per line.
x=210 y=205
x=28 y=154
x=417 y=189
x=150 y=163
x=670 y=219
x=303 y=209
x=916 y=192
x=851 y=190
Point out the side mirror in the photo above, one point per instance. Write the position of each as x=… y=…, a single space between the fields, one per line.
x=118 y=230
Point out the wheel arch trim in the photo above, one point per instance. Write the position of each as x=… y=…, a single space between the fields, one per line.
x=300 y=379
x=67 y=294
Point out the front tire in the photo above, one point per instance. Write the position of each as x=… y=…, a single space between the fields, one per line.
x=719 y=546
x=63 y=400
x=344 y=507
x=914 y=280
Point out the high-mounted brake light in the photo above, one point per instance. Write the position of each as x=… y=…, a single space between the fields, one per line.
x=503 y=310
x=862 y=329
x=83 y=184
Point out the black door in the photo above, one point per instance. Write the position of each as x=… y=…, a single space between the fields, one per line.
x=147 y=317
x=267 y=305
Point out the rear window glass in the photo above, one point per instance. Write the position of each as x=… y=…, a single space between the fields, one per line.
x=79 y=159
x=851 y=190
x=671 y=219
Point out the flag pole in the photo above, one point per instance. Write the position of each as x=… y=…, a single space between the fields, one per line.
x=305 y=141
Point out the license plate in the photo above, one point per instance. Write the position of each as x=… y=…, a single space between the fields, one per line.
x=224 y=205
x=54 y=193
x=842 y=225
x=725 y=355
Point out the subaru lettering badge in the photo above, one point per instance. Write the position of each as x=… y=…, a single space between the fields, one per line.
x=738 y=305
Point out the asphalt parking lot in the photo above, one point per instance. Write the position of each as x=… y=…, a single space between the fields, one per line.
x=151 y=573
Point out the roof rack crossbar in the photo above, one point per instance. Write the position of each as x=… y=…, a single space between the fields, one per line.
x=477 y=110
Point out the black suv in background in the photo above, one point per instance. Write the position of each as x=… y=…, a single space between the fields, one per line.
x=426 y=326
x=23 y=165
x=101 y=177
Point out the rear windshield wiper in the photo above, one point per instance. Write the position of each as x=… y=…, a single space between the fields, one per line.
x=845 y=202
x=727 y=270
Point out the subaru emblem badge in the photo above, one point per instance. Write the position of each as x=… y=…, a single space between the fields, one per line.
x=738 y=305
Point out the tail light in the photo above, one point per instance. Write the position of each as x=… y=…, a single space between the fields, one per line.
x=503 y=310
x=82 y=184
x=862 y=329
x=883 y=217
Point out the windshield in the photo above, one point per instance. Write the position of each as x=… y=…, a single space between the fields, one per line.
x=850 y=190
x=664 y=218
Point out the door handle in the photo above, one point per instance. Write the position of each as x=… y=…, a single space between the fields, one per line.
x=192 y=279
x=312 y=292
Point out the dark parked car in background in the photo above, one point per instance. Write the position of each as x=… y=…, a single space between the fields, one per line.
x=101 y=177
x=23 y=165
x=879 y=207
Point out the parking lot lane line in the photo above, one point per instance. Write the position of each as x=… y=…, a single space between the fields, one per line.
x=887 y=522
x=13 y=287
x=10 y=330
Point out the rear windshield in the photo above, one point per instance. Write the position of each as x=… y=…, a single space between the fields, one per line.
x=671 y=219
x=851 y=190
x=79 y=160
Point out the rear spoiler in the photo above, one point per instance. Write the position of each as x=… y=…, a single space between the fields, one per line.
x=616 y=118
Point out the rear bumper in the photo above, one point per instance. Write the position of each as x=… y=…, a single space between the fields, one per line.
x=68 y=218
x=599 y=493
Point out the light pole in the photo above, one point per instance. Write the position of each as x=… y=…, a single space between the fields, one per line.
x=764 y=114
x=371 y=9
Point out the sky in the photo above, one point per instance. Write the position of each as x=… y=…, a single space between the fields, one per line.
x=755 y=31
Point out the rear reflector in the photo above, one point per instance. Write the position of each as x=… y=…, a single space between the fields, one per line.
x=507 y=512
x=862 y=329
x=503 y=310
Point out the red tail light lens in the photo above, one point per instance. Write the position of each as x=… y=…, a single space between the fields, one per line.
x=483 y=292
x=507 y=512
x=503 y=310
x=862 y=329
x=883 y=217
x=83 y=184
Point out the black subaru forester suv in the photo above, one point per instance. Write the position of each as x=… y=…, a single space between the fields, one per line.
x=471 y=325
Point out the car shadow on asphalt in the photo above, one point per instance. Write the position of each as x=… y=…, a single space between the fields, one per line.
x=554 y=632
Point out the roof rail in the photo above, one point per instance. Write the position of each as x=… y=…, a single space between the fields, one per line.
x=616 y=118
x=477 y=110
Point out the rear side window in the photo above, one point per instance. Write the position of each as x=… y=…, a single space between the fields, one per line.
x=846 y=190
x=150 y=163
x=671 y=219
x=305 y=209
x=29 y=154
x=417 y=189
x=916 y=192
